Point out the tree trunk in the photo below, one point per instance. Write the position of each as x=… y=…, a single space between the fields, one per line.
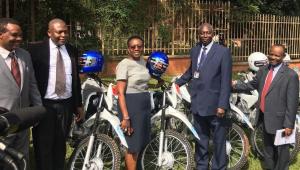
x=1 y=8
x=7 y=8
x=32 y=20
x=15 y=8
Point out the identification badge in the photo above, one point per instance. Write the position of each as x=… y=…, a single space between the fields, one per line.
x=196 y=74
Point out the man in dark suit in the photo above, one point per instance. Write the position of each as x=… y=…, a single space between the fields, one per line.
x=278 y=88
x=209 y=77
x=18 y=87
x=56 y=69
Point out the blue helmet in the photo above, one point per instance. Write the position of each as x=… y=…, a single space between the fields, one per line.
x=91 y=61
x=157 y=63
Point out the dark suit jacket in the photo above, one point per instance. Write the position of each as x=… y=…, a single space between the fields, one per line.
x=212 y=89
x=281 y=101
x=40 y=54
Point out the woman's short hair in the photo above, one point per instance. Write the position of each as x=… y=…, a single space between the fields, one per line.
x=134 y=37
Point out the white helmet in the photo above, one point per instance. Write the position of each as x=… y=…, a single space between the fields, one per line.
x=256 y=60
x=287 y=58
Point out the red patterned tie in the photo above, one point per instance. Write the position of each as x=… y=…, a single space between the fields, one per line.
x=265 y=89
x=15 y=70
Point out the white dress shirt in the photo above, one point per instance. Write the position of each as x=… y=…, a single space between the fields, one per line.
x=4 y=53
x=50 y=93
x=208 y=47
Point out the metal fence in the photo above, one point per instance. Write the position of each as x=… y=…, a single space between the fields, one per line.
x=177 y=32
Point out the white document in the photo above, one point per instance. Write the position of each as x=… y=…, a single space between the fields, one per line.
x=280 y=139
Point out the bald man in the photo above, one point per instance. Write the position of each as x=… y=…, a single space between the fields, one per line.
x=209 y=78
x=56 y=69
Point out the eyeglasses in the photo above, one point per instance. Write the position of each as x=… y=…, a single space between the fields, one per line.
x=205 y=33
x=136 y=46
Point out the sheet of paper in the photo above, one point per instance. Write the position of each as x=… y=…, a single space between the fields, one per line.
x=281 y=140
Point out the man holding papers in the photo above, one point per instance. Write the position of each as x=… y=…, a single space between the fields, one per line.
x=278 y=88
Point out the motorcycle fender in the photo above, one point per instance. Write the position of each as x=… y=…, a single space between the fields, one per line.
x=185 y=93
x=242 y=115
x=171 y=112
x=87 y=100
x=113 y=120
x=297 y=123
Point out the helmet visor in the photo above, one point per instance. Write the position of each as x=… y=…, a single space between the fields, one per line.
x=260 y=63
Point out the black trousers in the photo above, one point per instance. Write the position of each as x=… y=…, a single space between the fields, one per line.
x=49 y=136
x=275 y=157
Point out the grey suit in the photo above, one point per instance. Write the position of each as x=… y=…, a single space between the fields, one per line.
x=281 y=103
x=12 y=97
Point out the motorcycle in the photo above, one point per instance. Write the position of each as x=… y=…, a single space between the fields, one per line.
x=167 y=149
x=97 y=138
x=91 y=90
x=237 y=143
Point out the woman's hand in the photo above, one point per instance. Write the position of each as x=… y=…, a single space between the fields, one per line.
x=126 y=127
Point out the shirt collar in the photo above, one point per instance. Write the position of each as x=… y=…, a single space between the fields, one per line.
x=52 y=45
x=208 y=47
x=4 y=52
x=276 y=67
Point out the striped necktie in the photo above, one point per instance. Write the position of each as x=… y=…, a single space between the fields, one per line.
x=60 y=84
x=202 y=59
x=15 y=70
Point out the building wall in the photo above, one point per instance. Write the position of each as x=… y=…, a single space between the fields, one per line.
x=179 y=64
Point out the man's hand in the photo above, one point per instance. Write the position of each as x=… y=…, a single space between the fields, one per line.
x=80 y=114
x=220 y=112
x=160 y=82
x=233 y=82
x=288 y=131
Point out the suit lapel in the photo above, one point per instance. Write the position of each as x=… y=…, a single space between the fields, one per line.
x=72 y=58
x=195 y=58
x=23 y=68
x=45 y=58
x=210 y=54
x=277 y=77
x=46 y=53
x=7 y=71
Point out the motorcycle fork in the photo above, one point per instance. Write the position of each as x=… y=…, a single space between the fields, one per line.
x=162 y=140
x=86 y=163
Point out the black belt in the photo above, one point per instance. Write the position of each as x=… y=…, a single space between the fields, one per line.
x=57 y=101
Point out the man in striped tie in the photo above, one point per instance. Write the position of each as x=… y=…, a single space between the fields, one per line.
x=278 y=88
x=56 y=68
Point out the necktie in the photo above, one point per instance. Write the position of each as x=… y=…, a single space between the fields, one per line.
x=60 y=84
x=15 y=70
x=265 y=89
x=203 y=57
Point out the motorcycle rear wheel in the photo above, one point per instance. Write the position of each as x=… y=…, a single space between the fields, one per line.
x=257 y=143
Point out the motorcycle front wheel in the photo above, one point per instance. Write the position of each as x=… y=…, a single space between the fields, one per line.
x=109 y=157
x=177 y=153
